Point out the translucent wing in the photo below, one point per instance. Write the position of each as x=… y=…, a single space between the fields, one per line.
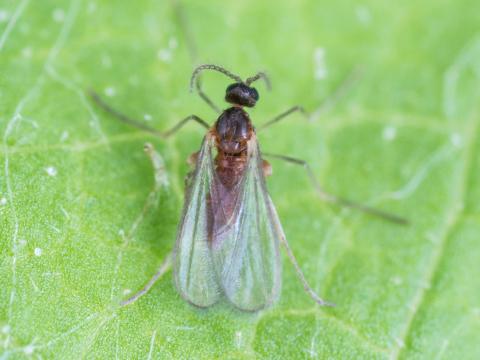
x=245 y=237
x=194 y=272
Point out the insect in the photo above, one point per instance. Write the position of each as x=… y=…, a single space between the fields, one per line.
x=229 y=236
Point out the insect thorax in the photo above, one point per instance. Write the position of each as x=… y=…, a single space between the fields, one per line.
x=233 y=130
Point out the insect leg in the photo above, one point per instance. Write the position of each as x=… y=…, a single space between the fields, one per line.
x=340 y=92
x=181 y=123
x=283 y=116
x=135 y=123
x=300 y=275
x=326 y=105
x=166 y=264
x=337 y=199
x=294 y=262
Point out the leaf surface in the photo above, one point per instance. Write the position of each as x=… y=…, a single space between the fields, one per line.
x=82 y=224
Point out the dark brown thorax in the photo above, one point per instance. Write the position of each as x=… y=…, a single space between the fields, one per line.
x=232 y=131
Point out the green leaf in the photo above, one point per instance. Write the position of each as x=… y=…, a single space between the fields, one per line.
x=79 y=230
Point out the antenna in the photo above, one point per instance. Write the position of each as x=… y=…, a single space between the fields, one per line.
x=213 y=67
x=259 y=75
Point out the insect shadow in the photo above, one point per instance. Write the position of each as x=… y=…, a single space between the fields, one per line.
x=229 y=235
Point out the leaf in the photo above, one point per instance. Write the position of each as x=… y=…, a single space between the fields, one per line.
x=79 y=230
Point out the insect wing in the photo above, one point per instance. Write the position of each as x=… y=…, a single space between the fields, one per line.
x=246 y=244
x=194 y=272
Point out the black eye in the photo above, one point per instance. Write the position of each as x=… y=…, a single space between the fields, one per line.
x=232 y=86
x=254 y=93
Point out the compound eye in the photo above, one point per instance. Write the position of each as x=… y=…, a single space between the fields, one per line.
x=231 y=87
x=254 y=93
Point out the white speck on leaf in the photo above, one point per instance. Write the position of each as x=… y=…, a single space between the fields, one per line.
x=110 y=91
x=399 y=342
x=364 y=15
x=51 y=171
x=58 y=15
x=147 y=117
x=28 y=350
x=126 y=291
x=165 y=55
x=91 y=7
x=3 y=16
x=397 y=280
x=456 y=140
x=319 y=64
x=64 y=136
x=3 y=201
x=389 y=133
x=27 y=52
x=6 y=329
x=312 y=353
x=37 y=251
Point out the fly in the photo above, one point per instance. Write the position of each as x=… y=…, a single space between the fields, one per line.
x=229 y=236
